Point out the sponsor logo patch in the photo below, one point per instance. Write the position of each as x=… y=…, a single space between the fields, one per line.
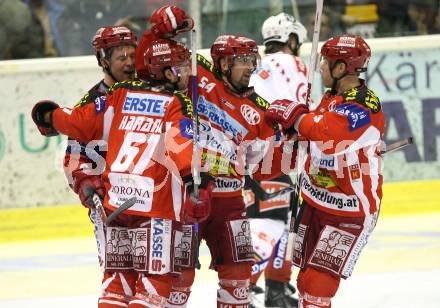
x=328 y=199
x=346 y=41
x=118 y=249
x=178 y=298
x=250 y=114
x=125 y=186
x=183 y=247
x=355 y=172
x=239 y=230
x=241 y=293
x=161 y=49
x=280 y=251
x=160 y=241
x=357 y=116
x=139 y=245
x=221 y=118
x=186 y=129
x=332 y=250
x=145 y=104
x=227 y=184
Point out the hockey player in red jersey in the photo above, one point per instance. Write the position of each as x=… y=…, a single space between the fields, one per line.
x=341 y=185
x=148 y=127
x=233 y=139
x=115 y=52
x=282 y=75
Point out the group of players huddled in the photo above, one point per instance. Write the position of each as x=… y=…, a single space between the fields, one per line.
x=252 y=115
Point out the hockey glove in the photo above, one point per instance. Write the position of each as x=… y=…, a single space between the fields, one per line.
x=285 y=112
x=198 y=209
x=38 y=113
x=170 y=20
x=85 y=185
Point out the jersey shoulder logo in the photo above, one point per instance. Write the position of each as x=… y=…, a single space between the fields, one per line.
x=357 y=116
x=100 y=104
x=203 y=62
x=90 y=96
x=364 y=97
x=259 y=102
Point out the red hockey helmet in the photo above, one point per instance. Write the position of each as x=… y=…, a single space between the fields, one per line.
x=111 y=36
x=161 y=54
x=351 y=49
x=230 y=46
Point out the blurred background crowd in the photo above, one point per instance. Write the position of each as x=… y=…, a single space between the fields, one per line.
x=53 y=28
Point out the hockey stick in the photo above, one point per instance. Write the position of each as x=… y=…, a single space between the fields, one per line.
x=124 y=206
x=194 y=97
x=301 y=149
x=397 y=145
x=260 y=193
x=97 y=202
x=100 y=220
x=195 y=161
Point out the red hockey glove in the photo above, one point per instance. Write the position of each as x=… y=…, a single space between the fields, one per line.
x=170 y=20
x=285 y=112
x=38 y=113
x=85 y=185
x=198 y=209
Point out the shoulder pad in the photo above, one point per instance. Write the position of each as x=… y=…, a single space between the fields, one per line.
x=136 y=84
x=258 y=101
x=185 y=103
x=364 y=97
x=90 y=96
x=202 y=61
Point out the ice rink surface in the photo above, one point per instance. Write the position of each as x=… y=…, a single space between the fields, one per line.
x=399 y=268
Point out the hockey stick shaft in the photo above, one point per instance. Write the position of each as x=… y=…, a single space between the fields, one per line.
x=260 y=193
x=314 y=51
x=194 y=98
x=195 y=158
x=124 y=206
x=97 y=202
x=397 y=145
x=301 y=150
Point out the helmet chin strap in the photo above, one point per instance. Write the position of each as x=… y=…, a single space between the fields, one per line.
x=333 y=90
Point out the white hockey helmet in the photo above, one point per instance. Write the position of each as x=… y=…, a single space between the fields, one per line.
x=278 y=28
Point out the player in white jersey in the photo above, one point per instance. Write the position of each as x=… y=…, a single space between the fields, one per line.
x=282 y=75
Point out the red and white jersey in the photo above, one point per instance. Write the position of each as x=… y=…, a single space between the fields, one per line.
x=149 y=136
x=281 y=76
x=343 y=167
x=233 y=133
